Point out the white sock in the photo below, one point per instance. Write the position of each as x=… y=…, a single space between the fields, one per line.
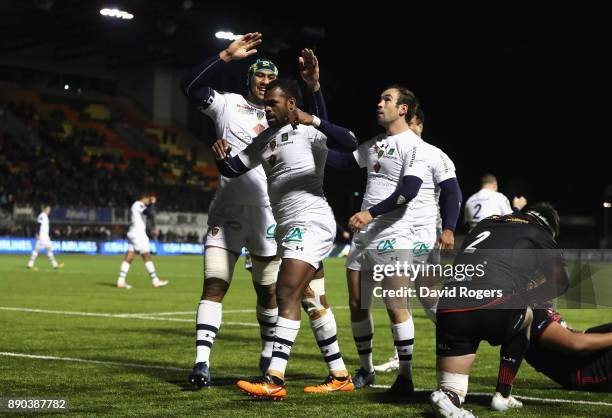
x=32 y=258
x=123 y=271
x=208 y=321
x=285 y=332
x=455 y=382
x=151 y=270
x=324 y=329
x=267 y=318
x=363 y=331
x=403 y=338
x=52 y=259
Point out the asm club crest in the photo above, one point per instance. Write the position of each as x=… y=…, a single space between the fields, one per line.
x=273 y=145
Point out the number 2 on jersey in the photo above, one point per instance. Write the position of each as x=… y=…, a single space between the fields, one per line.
x=479 y=238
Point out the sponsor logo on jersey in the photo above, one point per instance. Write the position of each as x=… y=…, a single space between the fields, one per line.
x=270 y=231
x=260 y=114
x=420 y=248
x=285 y=137
x=247 y=110
x=273 y=145
x=294 y=234
x=385 y=246
x=391 y=151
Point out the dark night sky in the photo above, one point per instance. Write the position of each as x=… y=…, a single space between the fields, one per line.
x=524 y=98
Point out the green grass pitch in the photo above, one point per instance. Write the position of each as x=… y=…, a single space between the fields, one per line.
x=164 y=344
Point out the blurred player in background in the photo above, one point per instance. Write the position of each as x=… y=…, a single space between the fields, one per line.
x=138 y=241
x=488 y=201
x=43 y=240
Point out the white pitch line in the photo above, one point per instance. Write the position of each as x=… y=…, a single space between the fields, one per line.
x=122 y=316
x=527 y=398
x=80 y=360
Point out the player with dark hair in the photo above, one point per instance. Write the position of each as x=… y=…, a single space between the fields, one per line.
x=292 y=152
x=489 y=299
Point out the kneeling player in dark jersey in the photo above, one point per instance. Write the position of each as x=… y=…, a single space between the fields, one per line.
x=505 y=265
x=576 y=360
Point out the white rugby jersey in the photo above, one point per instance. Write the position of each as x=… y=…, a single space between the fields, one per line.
x=43 y=231
x=238 y=121
x=294 y=163
x=424 y=208
x=484 y=203
x=138 y=223
x=388 y=159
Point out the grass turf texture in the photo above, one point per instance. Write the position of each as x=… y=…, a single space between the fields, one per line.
x=86 y=284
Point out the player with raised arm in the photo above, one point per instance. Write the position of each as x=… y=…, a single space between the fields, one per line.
x=138 y=241
x=292 y=152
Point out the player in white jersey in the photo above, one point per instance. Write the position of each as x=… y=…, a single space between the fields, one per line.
x=43 y=239
x=293 y=157
x=488 y=201
x=240 y=214
x=234 y=221
x=397 y=165
x=436 y=206
x=138 y=241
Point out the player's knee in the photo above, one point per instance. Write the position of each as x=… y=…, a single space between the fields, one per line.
x=265 y=270
x=397 y=316
x=313 y=297
x=286 y=296
x=266 y=295
x=219 y=264
x=214 y=289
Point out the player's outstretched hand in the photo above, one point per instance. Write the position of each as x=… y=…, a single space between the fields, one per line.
x=359 y=220
x=297 y=117
x=242 y=47
x=309 y=69
x=447 y=240
x=221 y=148
x=519 y=202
